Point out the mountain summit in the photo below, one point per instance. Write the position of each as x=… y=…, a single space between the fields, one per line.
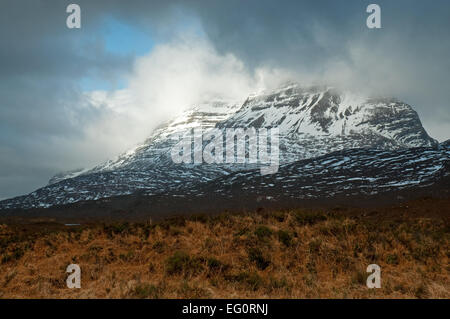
x=318 y=120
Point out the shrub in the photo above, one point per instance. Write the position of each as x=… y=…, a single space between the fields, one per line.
x=16 y=254
x=176 y=221
x=115 y=229
x=214 y=264
x=420 y=292
x=306 y=218
x=311 y=267
x=242 y=232
x=252 y=279
x=255 y=255
x=279 y=216
x=147 y=229
x=175 y=231
x=285 y=238
x=143 y=291
x=359 y=278
x=392 y=259
x=263 y=232
x=180 y=262
x=187 y=291
x=158 y=247
x=314 y=246
x=333 y=228
x=177 y=262
x=425 y=251
x=278 y=284
x=6 y=258
x=127 y=257
x=201 y=218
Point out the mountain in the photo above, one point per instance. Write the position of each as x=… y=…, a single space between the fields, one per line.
x=312 y=121
x=354 y=172
x=319 y=120
x=446 y=143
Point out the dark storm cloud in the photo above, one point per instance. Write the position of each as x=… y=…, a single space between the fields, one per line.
x=289 y=31
x=329 y=40
x=42 y=108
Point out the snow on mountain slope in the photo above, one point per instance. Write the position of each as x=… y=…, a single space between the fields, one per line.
x=318 y=120
x=446 y=144
x=349 y=172
x=156 y=149
x=313 y=121
x=66 y=175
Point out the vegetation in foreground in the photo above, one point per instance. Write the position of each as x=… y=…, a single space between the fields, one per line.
x=286 y=254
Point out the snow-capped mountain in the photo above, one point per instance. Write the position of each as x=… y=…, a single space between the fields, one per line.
x=319 y=120
x=312 y=122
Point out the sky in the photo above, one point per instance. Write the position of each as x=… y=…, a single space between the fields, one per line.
x=73 y=98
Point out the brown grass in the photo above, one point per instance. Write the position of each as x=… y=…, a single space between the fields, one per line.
x=292 y=254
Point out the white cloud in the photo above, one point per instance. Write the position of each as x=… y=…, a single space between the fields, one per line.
x=171 y=78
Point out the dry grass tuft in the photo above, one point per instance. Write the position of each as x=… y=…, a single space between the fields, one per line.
x=291 y=254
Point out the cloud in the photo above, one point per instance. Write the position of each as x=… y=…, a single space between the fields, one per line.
x=172 y=77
